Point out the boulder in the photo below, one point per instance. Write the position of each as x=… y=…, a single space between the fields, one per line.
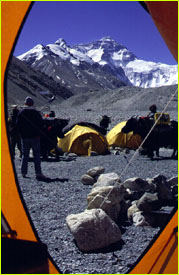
x=107 y=198
x=141 y=219
x=108 y=179
x=133 y=195
x=174 y=190
x=148 y=202
x=151 y=184
x=124 y=206
x=172 y=181
x=137 y=184
x=95 y=171
x=93 y=229
x=164 y=192
x=87 y=180
x=132 y=210
x=159 y=179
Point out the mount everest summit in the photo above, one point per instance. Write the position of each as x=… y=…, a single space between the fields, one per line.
x=101 y=64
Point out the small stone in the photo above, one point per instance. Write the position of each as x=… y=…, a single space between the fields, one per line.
x=87 y=180
x=95 y=171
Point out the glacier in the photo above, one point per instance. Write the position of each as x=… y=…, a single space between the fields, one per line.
x=111 y=57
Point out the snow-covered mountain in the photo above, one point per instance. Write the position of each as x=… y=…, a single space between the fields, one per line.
x=104 y=63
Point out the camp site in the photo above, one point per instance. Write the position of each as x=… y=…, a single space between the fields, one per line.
x=107 y=205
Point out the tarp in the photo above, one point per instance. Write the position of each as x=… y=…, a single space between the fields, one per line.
x=116 y=138
x=82 y=140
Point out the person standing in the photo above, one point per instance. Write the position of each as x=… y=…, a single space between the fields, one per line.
x=15 y=138
x=153 y=110
x=30 y=123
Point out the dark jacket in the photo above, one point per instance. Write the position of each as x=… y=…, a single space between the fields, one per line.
x=29 y=123
x=13 y=129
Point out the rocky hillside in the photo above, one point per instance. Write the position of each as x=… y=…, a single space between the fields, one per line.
x=124 y=99
x=22 y=81
x=100 y=64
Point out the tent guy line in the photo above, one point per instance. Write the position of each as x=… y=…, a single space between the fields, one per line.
x=137 y=151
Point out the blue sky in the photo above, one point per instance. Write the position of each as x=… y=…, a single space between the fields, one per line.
x=86 y=21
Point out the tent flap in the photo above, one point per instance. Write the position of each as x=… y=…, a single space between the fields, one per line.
x=116 y=138
x=23 y=257
x=162 y=257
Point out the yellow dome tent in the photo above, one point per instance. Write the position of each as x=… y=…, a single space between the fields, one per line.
x=82 y=140
x=116 y=138
x=162 y=256
x=22 y=251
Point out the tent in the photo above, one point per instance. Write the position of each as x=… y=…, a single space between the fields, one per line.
x=81 y=140
x=22 y=250
x=116 y=138
x=18 y=233
x=162 y=257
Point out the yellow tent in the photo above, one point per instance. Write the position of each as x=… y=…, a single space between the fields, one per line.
x=22 y=251
x=116 y=138
x=82 y=140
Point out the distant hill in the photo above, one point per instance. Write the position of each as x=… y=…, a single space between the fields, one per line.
x=124 y=99
x=22 y=81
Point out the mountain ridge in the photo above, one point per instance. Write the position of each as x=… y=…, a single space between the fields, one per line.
x=99 y=62
x=22 y=81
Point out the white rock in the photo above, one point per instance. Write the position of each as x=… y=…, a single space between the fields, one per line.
x=132 y=210
x=107 y=179
x=93 y=229
x=139 y=219
x=107 y=198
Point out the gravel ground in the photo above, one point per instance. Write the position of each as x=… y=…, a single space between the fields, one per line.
x=49 y=204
